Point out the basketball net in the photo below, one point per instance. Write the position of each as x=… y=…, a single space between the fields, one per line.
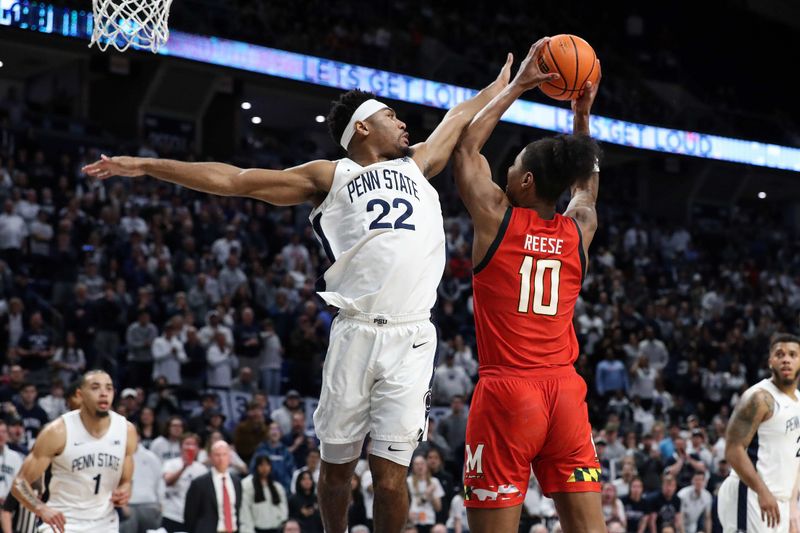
x=141 y=24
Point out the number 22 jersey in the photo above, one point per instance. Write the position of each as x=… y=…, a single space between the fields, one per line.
x=525 y=291
x=381 y=226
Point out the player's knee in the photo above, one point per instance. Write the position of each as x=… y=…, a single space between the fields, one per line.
x=390 y=489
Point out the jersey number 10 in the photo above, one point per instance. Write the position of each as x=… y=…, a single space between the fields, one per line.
x=542 y=267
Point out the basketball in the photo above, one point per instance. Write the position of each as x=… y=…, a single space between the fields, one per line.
x=572 y=58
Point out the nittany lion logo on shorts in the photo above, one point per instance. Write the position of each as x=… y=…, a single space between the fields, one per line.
x=427 y=401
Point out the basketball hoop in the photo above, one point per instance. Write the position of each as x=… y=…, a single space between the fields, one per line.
x=141 y=24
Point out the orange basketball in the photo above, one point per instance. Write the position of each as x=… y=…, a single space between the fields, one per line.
x=572 y=58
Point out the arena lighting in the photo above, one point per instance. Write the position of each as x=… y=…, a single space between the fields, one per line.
x=246 y=105
x=318 y=118
x=256 y=120
x=1 y=64
x=762 y=195
x=50 y=19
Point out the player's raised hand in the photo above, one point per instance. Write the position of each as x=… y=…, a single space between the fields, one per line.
x=121 y=495
x=530 y=74
x=54 y=519
x=770 y=513
x=114 y=166
x=583 y=103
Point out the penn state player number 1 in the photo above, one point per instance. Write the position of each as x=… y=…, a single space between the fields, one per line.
x=96 y=483
x=384 y=206
x=542 y=267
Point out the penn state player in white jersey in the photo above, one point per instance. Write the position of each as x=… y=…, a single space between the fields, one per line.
x=380 y=223
x=91 y=453
x=762 y=445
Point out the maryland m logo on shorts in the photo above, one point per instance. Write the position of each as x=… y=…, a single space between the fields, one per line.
x=585 y=474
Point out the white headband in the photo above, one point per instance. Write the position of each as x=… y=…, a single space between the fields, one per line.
x=362 y=112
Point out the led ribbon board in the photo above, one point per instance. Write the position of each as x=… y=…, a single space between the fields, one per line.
x=50 y=19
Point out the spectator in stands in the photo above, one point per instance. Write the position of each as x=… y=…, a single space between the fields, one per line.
x=139 y=339
x=297 y=440
x=143 y=511
x=168 y=445
x=264 y=503
x=245 y=381
x=665 y=507
x=436 y=467
x=69 y=359
x=292 y=404
x=33 y=417
x=696 y=505
x=636 y=507
x=54 y=404
x=35 y=350
x=250 y=431
x=303 y=505
x=450 y=380
x=168 y=355
x=178 y=473
x=13 y=231
x=611 y=375
x=193 y=372
x=270 y=359
x=654 y=349
x=221 y=362
x=425 y=495
x=282 y=459
x=613 y=509
x=312 y=464
x=453 y=428
x=146 y=427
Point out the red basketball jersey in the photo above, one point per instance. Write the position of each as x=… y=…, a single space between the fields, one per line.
x=525 y=291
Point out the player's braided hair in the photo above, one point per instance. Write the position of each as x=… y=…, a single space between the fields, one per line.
x=342 y=110
x=558 y=162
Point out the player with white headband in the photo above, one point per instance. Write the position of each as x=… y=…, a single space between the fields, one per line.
x=380 y=223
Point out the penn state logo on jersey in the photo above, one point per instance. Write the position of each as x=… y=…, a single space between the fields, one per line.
x=380 y=226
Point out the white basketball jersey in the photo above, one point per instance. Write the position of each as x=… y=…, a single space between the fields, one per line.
x=775 y=448
x=88 y=470
x=381 y=226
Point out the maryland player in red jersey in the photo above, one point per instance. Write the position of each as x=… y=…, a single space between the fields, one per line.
x=529 y=407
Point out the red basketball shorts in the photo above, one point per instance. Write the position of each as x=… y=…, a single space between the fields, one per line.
x=515 y=424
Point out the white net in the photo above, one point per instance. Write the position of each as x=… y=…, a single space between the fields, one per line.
x=141 y=24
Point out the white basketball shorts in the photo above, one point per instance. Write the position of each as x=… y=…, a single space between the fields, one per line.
x=738 y=510
x=109 y=524
x=377 y=379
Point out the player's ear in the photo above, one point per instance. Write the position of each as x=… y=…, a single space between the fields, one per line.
x=527 y=181
x=362 y=128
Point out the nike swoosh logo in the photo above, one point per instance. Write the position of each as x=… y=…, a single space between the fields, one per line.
x=398 y=449
x=78 y=443
x=415 y=346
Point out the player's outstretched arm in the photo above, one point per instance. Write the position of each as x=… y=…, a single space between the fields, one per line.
x=431 y=156
x=751 y=411
x=49 y=443
x=122 y=493
x=482 y=197
x=291 y=186
x=584 y=193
